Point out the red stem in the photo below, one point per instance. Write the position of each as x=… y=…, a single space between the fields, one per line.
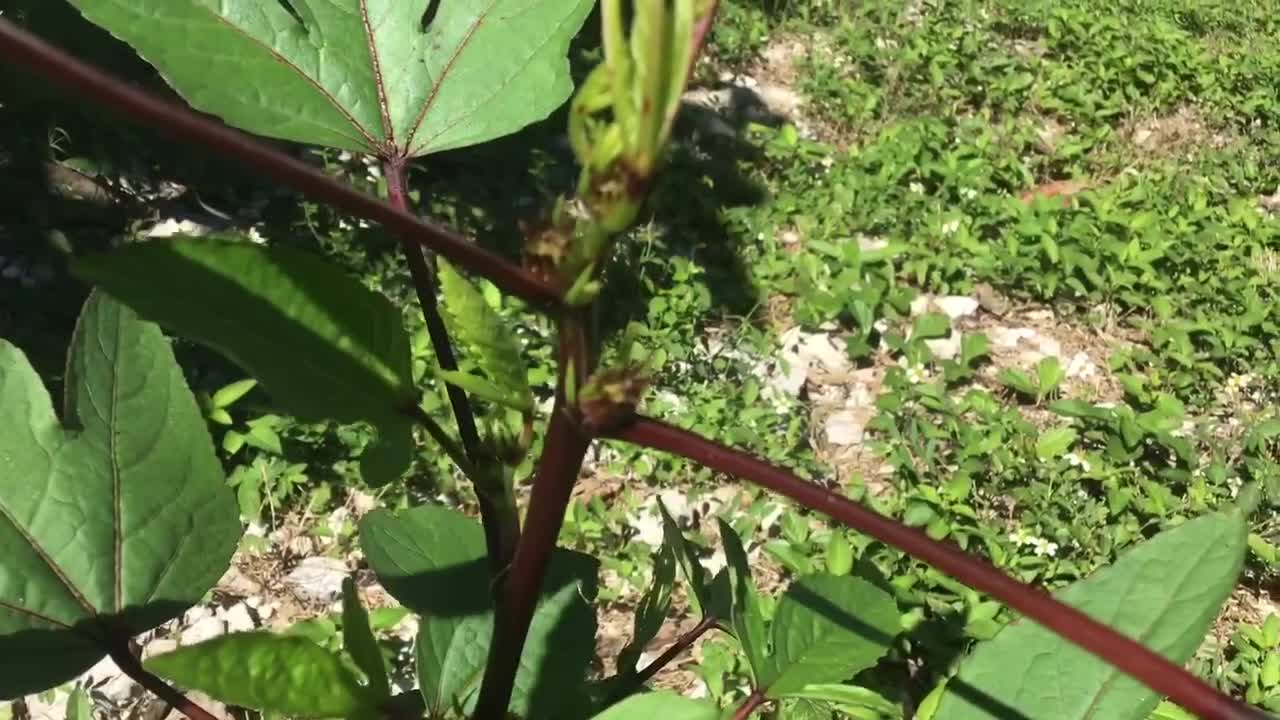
x=563 y=450
x=500 y=534
x=671 y=653
x=1125 y=654
x=129 y=664
x=750 y=705
x=24 y=50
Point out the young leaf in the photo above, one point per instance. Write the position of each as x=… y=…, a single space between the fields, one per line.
x=1049 y=375
x=665 y=705
x=360 y=75
x=323 y=345
x=1165 y=592
x=475 y=325
x=746 y=618
x=652 y=610
x=687 y=558
x=1053 y=443
x=78 y=705
x=850 y=697
x=360 y=644
x=229 y=394
x=274 y=673
x=122 y=518
x=827 y=629
x=931 y=325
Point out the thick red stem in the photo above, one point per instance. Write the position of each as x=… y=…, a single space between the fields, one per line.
x=1125 y=654
x=750 y=705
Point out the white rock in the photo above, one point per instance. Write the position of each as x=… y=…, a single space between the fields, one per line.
x=317 y=579
x=947 y=348
x=844 y=428
x=1009 y=337
x=170 y=226
x=237 y=583
x=361 y=503
x=1047 y=345
x=159 y=646
x=648 y=529
x=1081 y=366
x=920 y=305
x=196 y=614
x=238 y=618
x=207 y=629
x=110 y=682
x=957 y=306
x=56 y=709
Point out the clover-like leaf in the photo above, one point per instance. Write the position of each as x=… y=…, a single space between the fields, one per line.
x=827 y=629
x=285 y=674
x=1164 y=592
x=363 y=75
x=323 y=345
x=114 y=518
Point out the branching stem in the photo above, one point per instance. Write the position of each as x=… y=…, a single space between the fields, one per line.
x=750 y=705
x=1128 y=655
x=131 y=666
x=681 y=644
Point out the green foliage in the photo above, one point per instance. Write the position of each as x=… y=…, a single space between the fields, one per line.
x=667 y=705
x=347 y=356
x=274 y=673
x=360 y=644
x=827 y=629
x=116 y=514
x=380 y=84
x=1143 y=595
x=476 y=326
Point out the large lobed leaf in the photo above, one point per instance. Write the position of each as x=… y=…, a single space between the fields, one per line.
x=323 y=345
x=1165 y=593
x=362 y=75
x=115 y=518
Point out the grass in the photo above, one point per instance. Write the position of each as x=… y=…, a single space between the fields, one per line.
x=939 y=138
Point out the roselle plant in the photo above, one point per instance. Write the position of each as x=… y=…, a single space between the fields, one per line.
x=116 y=517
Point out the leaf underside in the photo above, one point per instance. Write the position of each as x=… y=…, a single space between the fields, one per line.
x=361 y=75
x=1164 y=593
x=115 y=516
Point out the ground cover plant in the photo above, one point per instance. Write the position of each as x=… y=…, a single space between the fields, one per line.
x=1127 y=508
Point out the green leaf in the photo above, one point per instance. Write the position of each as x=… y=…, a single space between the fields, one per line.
x=931 y=325
x=686 y=556
x=652 y=611
x=489 y=343
x=358 y=640
x=746 y=616
x=665 y=705
x=827 y=629
x=432 y=559
x=850 y=696
x=1052 y=444
x=122 y=518
x=485 y=390
x=323 y=345
x=78 y=705
x=1049 y=374
x=361 y=75
x=262 y=671
x=229 y=394
x=1164 y=593
x=973 y=346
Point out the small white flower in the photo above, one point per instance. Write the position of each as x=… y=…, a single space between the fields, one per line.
x=916 y=188
x=1076 y=461
x=916 y=372
x=950 y=227
x=968 y=194
x=827 y=162
x=344 y=156
x=1044 y=548
x=256 y=236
